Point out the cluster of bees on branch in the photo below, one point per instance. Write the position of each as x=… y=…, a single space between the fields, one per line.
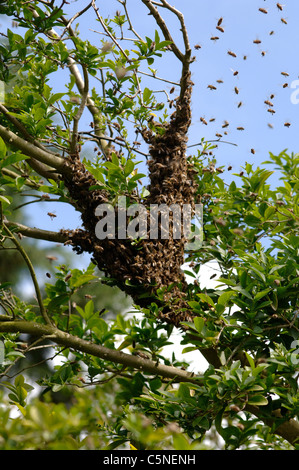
x=268 y=102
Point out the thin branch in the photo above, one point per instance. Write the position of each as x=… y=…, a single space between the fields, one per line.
x=77 y=117
x=32 y=273
x=161 y=23
x=124 y=4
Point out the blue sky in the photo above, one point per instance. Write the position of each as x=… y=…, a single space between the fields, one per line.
x=258 y=77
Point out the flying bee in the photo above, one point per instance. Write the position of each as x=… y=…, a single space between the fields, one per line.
x=268 y=103
x=271 y=33
x=231 y=54
x=272 y=96
x=203 y=121
x=212 y=120
x=50 y=214
x=229 y=168
x=240 y=128
x=257 y=41
x=197 y=46
x=285 y=85
x=263 y=53
x=283 y=20
x=52 y=258
x=220 y=29
x=285 y=74
x=219 y=81
x=225 y=124
x=272 y=111
x=279 y=6
x=287 y=124
x=244 y=57
x=214 y=38
x=235 y=72
x=263 y=10
x=172 y=90
x=252 y=151
x=270 y=125
x=212 y=87
x=236 y=90
x=219 y=21
x=240 y=104
x=218 y=135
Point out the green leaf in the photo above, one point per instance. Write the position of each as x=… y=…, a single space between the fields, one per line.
x=199 y=323
x=129 y=167
x=206 y=298
x=3 y=148
x=258 y=400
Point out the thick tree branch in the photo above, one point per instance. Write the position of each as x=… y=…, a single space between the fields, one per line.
x=32 y=150
x=69 y=341
x=37 y=233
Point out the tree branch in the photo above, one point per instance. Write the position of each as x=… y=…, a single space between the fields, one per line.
x=69 y=341
x=32 y=150
x=32 y=273
x=37 y=233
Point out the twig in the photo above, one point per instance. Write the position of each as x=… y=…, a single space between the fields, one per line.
x=32 y=273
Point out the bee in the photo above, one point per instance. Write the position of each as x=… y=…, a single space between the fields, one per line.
x=257 y=41
x=235 y=73
x=283 y=20
x=219 y=21
x=229 y=168
x=240 y=104
x=263 y=10
x=244 y=57
x=268 y=103
x=219 y=81
x=212 y=87
x=197 y=46
x=50 y=214
x=236 y=90
x=203 y=121
x=220 y=29
x=263 y=53
x=285 y=74
x=287 y=124
x=252 y=151
x=218 y=135
x=214 y=38
x=272 y=96
x=212 y=120
x=279 y=6
x=285 y=85
x=271 y=33
x=225 y=124
x=51 y=258
x=272 y=111
x=231 y=54
x=240 y=128
x=270 y=125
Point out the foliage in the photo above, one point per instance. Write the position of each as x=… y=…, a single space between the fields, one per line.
x=125 y=391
